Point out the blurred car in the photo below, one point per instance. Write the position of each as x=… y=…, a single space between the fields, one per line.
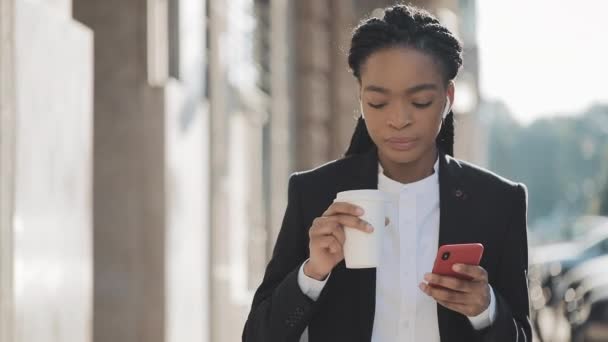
x=592 y=317
x=549 y=263
x=585 y=288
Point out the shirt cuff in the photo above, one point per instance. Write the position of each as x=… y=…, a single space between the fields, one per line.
x=486 y=318
x=310 y=286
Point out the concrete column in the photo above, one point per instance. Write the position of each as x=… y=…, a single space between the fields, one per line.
x=251 y=157
x=471 y=139
x=222 y=306
x=61 y=8
x=313 y=83
x=7 y=161
x=51 y=216
x=187 y=192
x=345 y=89
x=326 y=93
x=236 y=172
x=129 y=163
x=45 y=166
x=186 y=246
x=282 y=152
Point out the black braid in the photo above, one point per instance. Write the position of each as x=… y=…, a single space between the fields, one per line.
x=408 y=26
x=445 y=138
x=361 y=141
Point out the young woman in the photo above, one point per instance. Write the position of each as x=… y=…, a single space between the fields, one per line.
x=405 y=64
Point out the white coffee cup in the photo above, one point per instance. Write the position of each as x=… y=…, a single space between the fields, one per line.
x=361 y=249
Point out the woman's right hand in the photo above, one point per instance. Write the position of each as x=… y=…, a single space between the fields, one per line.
x=327 y=237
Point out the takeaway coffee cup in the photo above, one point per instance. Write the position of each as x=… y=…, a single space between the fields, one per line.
x=361 y=249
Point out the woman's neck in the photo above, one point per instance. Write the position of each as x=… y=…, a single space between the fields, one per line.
x=409 y=172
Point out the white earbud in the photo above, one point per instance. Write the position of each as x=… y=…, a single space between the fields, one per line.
x=361 y=108
x=447 y=108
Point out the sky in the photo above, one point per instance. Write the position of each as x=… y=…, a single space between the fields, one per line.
x=543 y=57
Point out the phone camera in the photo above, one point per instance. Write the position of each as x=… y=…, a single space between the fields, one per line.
x=445 y=256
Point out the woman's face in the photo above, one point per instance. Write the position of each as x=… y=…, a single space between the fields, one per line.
x=402 y=96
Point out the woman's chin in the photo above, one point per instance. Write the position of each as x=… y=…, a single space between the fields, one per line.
x=400 y=157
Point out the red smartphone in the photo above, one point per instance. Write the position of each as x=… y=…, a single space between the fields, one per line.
x=448 y=255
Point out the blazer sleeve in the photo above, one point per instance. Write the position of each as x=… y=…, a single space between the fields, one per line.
x=512 y=321
x=280 y=311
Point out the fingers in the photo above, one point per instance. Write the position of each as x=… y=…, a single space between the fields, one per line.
x=468 y=303
x=445 y=295
x=449 y=282
x=354 y=222
x=338 y=233
x=478 y=273
x=327 y=226
x=343 y=208
x=327 y=242
x=342 y=220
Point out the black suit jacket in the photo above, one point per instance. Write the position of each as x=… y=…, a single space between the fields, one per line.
x=475 y=206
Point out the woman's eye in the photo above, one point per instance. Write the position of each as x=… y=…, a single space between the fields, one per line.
x=422 y=105
x=377 y=106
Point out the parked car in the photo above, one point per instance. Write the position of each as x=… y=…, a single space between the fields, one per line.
x=594 y=328
x=549 y=263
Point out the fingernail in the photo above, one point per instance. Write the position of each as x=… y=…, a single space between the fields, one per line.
x=422 y=287
x=456 y=267
x=427 y=277
x=359 y=211
x=369 y=227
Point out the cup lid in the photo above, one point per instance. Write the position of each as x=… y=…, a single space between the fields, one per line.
x=365 y=194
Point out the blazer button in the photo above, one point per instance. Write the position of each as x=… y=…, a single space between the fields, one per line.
x=460 y=194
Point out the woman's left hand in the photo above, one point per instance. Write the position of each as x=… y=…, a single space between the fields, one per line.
x=468 y=297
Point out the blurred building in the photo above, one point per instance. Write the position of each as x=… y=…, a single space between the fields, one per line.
x=104 y=171
x=282 y=99
x=145 y=149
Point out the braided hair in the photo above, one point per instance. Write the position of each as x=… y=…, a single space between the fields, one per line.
x=405 y=26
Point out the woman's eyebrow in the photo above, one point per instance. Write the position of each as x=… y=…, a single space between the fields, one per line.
x=421 y=87
x=377 y=89
x=410 y=90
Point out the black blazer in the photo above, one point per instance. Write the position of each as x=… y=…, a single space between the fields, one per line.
x=475 y=206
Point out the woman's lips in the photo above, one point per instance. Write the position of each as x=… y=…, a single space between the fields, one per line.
x=402 y=144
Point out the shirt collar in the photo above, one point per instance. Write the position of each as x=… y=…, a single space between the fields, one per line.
x=422 y=186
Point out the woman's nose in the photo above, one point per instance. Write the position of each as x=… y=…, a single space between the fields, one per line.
x=400 y=117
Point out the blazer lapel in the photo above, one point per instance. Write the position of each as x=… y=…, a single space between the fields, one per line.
x=452 y=200
x=364 y=175
x=453 y=211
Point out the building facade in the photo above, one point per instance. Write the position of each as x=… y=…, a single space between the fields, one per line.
x=145 y=150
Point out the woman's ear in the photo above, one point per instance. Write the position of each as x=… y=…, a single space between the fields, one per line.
x=447 y=108
x=449 y=100
x=450 y=92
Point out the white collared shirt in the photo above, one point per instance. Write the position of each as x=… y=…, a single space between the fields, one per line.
x=409 y=245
